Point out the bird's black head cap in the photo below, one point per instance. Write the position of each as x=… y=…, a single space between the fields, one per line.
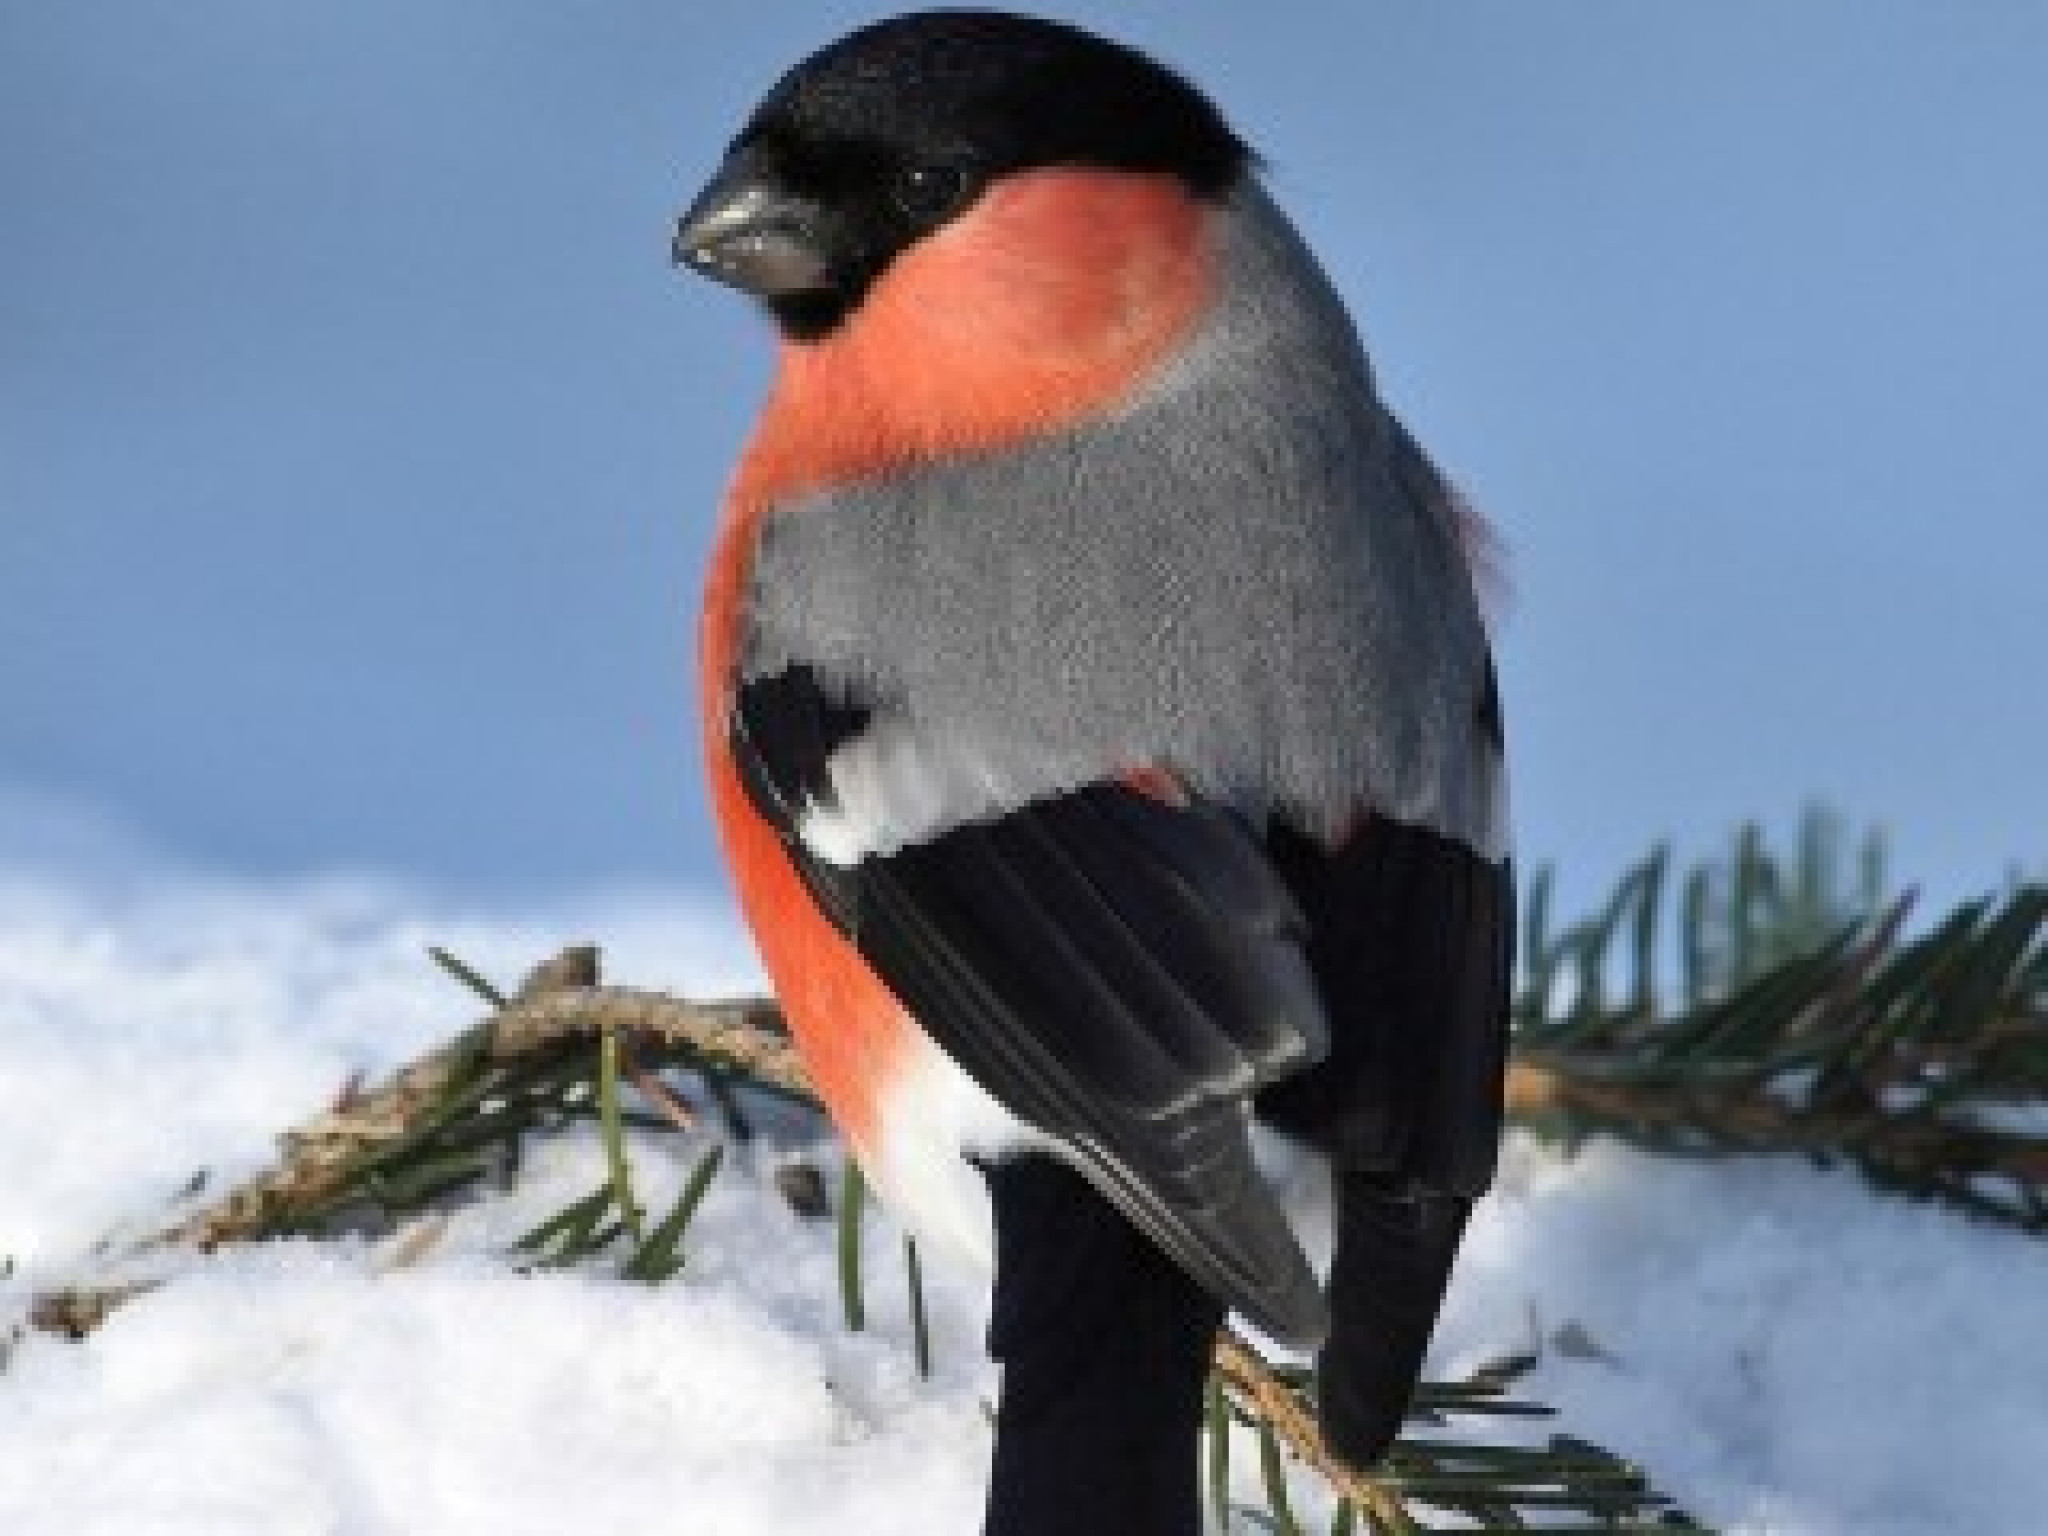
x=882 y=136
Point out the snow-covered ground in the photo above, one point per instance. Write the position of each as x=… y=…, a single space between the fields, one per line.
x=1785 y=1351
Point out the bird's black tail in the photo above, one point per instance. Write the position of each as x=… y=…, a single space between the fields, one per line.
x=1411 y=943
x=1387 y=1279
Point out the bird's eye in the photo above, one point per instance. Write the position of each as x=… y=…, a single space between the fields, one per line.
x=929 y=193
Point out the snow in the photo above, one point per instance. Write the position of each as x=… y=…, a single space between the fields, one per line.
x=1784 y=1350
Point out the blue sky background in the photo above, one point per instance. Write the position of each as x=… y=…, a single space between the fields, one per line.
x=358 y=447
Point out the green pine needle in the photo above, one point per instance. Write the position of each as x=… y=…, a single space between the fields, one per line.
x=658 y=1259
x=1273 y=1472
x=1217 y=1409
x=851 y=1191
x=464 y=973
x=920 y=1327
x=613 y=1133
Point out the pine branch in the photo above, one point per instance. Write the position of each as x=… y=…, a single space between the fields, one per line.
x=1804 y=1022
x=1267 y=1399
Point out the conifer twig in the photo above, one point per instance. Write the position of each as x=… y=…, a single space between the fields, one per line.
x=1272 y=1401
x=745 y=1035
x=318 y=1157
x=1802 y=1022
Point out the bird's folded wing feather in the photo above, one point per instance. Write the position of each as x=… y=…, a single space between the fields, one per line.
x=1120 y=972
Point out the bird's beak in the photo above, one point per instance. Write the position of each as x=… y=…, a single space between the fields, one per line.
x=747 y=228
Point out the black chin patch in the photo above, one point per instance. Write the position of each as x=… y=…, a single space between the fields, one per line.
x=812 y=316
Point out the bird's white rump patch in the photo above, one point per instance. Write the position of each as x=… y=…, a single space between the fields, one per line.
x=934 y=1118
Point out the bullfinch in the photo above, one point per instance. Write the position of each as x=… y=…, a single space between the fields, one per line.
x=1103 y=735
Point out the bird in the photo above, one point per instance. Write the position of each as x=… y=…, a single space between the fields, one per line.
x=1103 y=733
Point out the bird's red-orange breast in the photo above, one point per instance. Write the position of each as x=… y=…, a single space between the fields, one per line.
x=1048 y=301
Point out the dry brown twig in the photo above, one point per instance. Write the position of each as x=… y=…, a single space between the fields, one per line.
x=555 y=1006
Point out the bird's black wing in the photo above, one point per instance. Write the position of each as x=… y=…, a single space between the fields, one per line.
x=1119 y=972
